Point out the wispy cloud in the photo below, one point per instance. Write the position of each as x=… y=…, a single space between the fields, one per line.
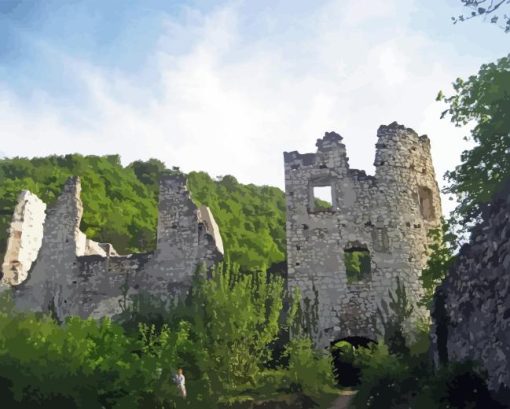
x=231 y=103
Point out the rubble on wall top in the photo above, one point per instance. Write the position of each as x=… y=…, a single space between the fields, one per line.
x=72 y=184
x=329 y=140
x=176 y=179
x=360 y=175
x=424 y=139
x=395 y=133
x=394 y=126
x=306 y=158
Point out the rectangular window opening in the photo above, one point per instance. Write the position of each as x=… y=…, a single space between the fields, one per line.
x=357 y=264
x=322 y=198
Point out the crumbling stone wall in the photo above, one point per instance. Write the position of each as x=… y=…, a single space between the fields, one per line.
x=73 y=275
x=471 y=310
x=388 y=214
x=25 y=237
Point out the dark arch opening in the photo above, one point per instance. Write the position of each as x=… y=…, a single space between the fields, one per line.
x=347 y=372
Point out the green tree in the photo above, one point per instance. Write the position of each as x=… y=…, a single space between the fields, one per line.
x=442 y=256
x=118 y=208
x=235 y=317
x=251 y=218
x=482 y=100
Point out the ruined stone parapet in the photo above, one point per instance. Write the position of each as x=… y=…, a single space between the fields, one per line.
x=206 y=217
x=330 y=154
x=25 y=237
x=184 y=243
x=471 y=309
x=73 y=275
x=88 y=247
x=49 y=283
x=387 y=215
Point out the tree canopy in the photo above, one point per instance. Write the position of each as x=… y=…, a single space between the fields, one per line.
x=483 y=101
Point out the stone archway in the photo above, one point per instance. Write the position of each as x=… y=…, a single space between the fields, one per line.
x=347 y=373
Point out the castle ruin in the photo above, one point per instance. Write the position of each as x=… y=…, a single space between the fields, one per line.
x=52 y=266
x=378 y=223
x=344 y=255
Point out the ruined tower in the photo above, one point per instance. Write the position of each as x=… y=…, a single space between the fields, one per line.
x=346 y=255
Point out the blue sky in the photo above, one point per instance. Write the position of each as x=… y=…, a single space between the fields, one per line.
x=227 y=86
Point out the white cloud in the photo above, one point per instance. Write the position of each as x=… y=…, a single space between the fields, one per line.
x=228 y=103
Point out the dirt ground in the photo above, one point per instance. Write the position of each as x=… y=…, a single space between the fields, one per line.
x=342 y=401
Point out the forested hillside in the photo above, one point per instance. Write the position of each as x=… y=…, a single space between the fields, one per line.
x=120 y=203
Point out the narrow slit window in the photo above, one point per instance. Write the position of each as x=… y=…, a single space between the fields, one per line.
x=357 y=264
x=322 y=198
x=426 y=204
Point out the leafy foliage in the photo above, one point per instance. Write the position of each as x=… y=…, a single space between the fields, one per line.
x=309 y=370
x=491 y=9
x=251 y=218
x=321 y=205
x=85 y=363
x=385 y=380
x=484 y=101
x=390 y=381
x=441 y=257
x=234 y=318
x=357 y=265
x=120 y=203
x=118 y=208
x=221 y=335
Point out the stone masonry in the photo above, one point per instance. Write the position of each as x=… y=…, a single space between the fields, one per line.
x=51 y=266
x=388 y=215
x=25 y=237
x=471 y=310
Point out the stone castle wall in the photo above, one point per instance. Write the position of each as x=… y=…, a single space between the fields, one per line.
x=25 y=237
x=388 y=214
x=73 y=275
x=471 y=310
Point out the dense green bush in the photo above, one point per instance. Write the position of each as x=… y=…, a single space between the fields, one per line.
x=387 y=381
x=83 y=363
x=235 y=320
x=309 y=371
x=221 y=334
x=390 y=381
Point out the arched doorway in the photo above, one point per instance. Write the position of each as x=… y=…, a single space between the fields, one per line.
x=347 y=373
